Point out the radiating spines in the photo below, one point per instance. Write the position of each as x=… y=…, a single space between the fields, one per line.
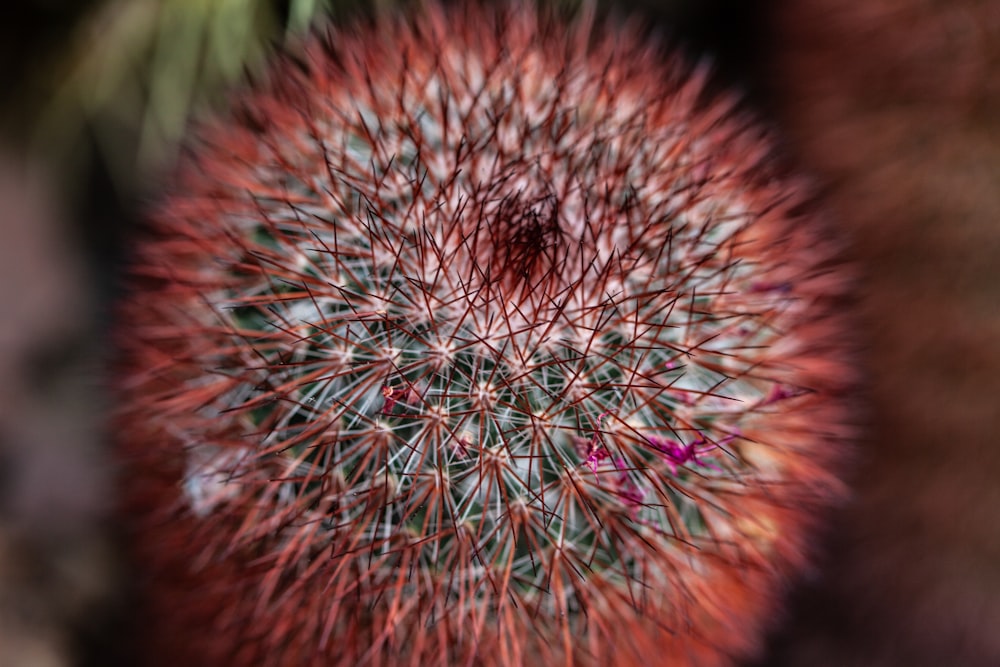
x=477 y=337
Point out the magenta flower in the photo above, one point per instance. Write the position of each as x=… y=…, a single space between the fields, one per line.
x=677 y=454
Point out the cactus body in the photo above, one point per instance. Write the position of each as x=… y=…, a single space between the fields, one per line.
x=479 y=338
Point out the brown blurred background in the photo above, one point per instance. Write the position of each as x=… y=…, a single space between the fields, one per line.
x=892 y=105
x=895 y=104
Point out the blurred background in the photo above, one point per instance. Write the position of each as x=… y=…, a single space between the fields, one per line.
x=892 y=106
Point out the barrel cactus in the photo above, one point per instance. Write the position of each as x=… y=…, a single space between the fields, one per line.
x=478 y=336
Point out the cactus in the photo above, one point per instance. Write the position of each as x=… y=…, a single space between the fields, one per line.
x=479 y=337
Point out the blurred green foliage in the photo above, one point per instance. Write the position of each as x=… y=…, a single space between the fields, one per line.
x=131 y=73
